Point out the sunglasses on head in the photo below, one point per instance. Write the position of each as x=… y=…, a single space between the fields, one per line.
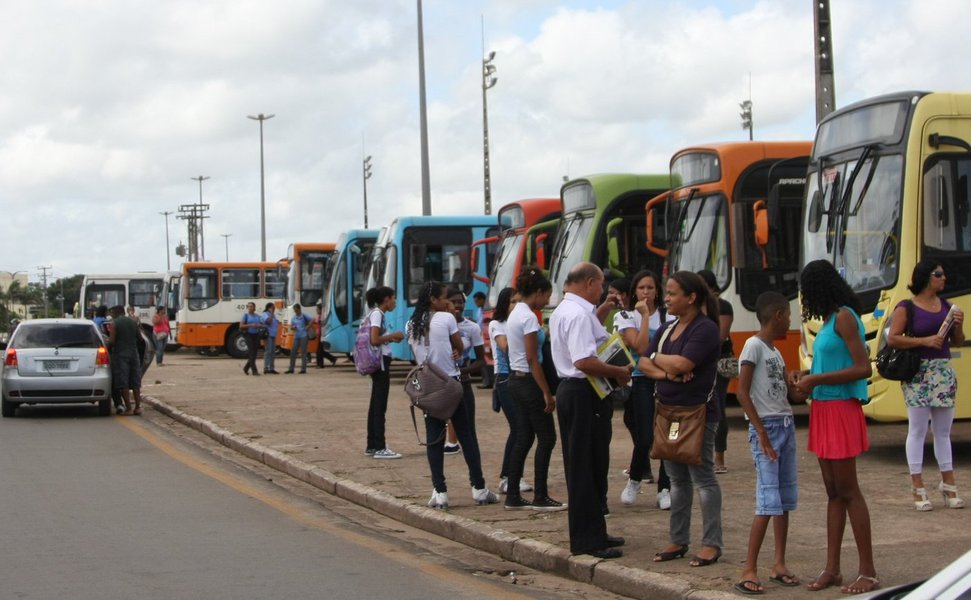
x=937 y=274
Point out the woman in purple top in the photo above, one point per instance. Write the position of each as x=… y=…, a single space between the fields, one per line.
x=684 y=367
x=930 y=395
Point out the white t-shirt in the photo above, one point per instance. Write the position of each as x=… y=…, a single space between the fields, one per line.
x=376 y=317
x=522 y=321
x=768 y=389
x=496 y=329
x=471 y=334
x=439 y=349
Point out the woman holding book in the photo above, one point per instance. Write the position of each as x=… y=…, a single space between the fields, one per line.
x=930 y=395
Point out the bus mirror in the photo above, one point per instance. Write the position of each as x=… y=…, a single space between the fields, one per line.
x=655 y=218
x=613 y=246
x=760 y=215
x=815 y=212
x=541 y=250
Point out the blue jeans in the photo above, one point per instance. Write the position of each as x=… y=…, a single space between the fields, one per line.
x=160 y=349
x=299 y=347
x=776 y=491
x=435 y=449
x=269 y=354
x=684 y=478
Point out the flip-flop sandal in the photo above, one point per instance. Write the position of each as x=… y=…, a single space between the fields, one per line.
x=816 y=586
x=750 y=587
x=785 y=580
x=137 y=411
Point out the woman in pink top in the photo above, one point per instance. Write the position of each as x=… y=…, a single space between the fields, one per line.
x=162 y=331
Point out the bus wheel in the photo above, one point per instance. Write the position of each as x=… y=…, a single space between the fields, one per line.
x=237 y=346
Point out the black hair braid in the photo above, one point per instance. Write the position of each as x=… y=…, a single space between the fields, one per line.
x=421 y=319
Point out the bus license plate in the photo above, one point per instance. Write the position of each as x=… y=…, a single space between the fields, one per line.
x=56 y=365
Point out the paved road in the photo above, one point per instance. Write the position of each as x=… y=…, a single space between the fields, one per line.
x=119 y=508
x=319 y=419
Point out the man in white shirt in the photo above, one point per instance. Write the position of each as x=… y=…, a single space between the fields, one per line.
x=576 y=332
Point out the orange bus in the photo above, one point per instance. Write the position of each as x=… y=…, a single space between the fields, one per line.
x=214 y=296
x=735 y=209
x=310 y=265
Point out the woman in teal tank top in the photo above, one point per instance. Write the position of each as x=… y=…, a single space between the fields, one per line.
x=836 y=383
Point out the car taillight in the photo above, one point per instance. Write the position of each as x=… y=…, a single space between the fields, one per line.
x=10 y=359
x=102 y=359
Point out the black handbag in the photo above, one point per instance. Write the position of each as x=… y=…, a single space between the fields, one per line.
x=900 y=364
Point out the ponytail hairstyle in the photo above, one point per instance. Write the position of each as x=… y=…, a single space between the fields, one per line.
x=422 y=317
x=376 y=295
x=692 y=283
x=501 y=311
x=531 y=281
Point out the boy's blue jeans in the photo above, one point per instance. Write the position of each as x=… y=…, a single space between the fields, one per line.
x=776 y=489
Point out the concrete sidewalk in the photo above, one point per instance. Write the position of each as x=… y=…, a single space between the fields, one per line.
x=312 y=427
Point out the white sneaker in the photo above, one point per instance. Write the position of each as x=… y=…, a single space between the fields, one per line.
x=629 y=495
x=484 y=496
x=524 y=486
x=664 y=499
x=438 y=500
x=386 y=453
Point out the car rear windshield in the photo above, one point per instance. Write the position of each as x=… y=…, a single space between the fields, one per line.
x=59 y=335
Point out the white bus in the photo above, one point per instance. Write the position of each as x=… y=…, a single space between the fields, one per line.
x=144 y=291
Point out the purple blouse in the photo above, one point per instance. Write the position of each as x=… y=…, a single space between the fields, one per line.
x=928 y=323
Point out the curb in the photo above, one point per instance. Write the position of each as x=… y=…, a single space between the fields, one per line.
x=542 y=556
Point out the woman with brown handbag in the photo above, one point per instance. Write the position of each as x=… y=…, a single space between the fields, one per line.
x=683 y=358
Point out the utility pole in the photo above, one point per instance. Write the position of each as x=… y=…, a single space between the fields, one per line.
x=202 y=237
x=168 y=257
x=489 y=80
x=193 y=214
x=43 y=277
x=367 y=175
x=823 y=46
x=426 y=194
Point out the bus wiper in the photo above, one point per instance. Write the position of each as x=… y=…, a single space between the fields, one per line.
x=701 y=207
x=866 y=185
x=841 y=215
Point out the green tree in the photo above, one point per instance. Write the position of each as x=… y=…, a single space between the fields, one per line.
x=69 y=288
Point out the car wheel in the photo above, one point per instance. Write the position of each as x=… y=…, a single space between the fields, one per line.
x=104 y=407
x=8 y=409
x=237 y=346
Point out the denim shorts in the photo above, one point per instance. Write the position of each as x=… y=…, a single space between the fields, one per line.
x=776 y=488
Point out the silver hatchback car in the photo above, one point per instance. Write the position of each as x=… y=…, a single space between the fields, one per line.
x=55 y=361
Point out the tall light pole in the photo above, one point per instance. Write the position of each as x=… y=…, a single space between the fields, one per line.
x=202 y=237
x=489 y=80
x=366 y=175
x=261 y=117
x=226 y=237
x=168 y=258
x=426 y=194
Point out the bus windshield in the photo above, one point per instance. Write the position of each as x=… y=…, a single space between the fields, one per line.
x=308 y=274
x=702 y=239
x=570 y=244
x=505 y=267
x=857 y=229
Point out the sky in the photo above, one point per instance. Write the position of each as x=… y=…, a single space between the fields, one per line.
x=109 y=108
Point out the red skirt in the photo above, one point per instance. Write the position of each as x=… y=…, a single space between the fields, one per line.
x=837 y=429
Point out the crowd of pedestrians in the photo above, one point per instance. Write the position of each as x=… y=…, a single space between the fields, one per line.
x=677 y=333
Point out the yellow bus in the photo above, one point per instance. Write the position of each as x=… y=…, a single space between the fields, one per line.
x=889 y=183
x=214 y=297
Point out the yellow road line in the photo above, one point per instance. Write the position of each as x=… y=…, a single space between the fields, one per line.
x=384 y=548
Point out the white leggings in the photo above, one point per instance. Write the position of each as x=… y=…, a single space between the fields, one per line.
x=940 y=419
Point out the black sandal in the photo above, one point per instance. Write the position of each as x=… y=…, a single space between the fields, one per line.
x=698 y=561
x=673 y=554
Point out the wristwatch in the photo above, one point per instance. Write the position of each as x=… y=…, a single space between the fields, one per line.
x=653 y=354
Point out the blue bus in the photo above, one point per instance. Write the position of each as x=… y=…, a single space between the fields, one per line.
x=412 y=251
x=343 y=294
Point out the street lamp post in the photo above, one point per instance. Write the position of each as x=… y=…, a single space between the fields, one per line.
x=261 y=117
x=367 y=175
x=202 y=237
x=426 y=194
x=489 y=80
x=168 y=258
x=226 y=237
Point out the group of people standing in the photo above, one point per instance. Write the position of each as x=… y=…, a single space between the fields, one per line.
x=264 y=327
x=677 y=345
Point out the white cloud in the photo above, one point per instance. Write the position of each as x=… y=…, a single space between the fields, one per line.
x=111 y=106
